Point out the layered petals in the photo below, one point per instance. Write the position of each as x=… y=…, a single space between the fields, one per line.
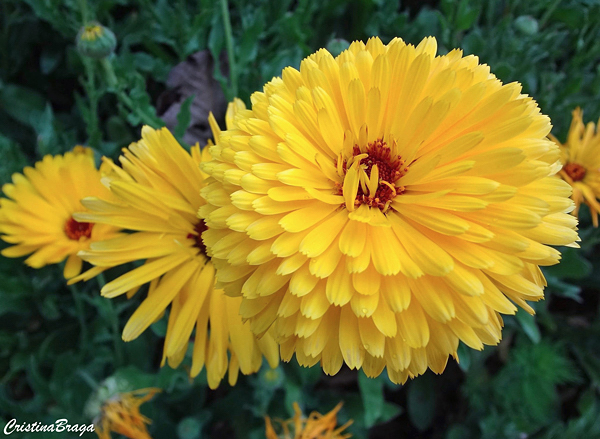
x=377 y=208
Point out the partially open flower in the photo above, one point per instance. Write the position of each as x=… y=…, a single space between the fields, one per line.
x=378 y=207
x=580 y=157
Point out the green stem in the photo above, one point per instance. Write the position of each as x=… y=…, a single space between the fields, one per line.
x=114 y=323
x=80 y=314
x=84 y=11
x=88 y=379
x=230 y=54
x=113 y=82
x=94 y=133
x=4 y=13
x=117 y=339
x=548 y=13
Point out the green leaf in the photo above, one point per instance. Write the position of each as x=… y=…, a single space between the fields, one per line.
x=371 y=391
x=389 y=411
x=421 y=402
x=184 y=117
x=160 y=327
x=458 y=432
x=572 y=265
x=563 y=289
x=466 y=15
x=590 y=364
x=464 y=356
x=44 y=128
x=215 y=45
x=22 y=103
x=189 y=428
x=49 y=309
x=529 y=325
x=293 y=393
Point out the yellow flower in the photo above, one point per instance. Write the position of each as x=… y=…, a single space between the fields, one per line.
x=580 y=157
x=316 y=426
x=38 y=214
x=121 y=414
x=158 y=196
x=378 y=207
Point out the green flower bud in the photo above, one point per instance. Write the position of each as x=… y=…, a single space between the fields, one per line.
x=526 y=24
x=95 y=41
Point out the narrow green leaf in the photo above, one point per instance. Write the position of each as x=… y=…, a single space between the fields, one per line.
x=371 y=391
x=529 y=325
x=421 y=402
x=184 y=117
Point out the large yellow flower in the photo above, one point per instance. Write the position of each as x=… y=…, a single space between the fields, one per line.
x=380 y=206
x=580 y=157
x=38 y=218
x=158 y=196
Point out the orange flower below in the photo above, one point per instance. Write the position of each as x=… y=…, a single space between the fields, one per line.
x=121 y=414
x=316 y=426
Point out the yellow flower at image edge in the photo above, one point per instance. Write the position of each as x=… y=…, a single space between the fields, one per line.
x=378 y=207
x=121 y=414
x=157 y=196
x=37 y=217
x=580 y=157
x=316 y=426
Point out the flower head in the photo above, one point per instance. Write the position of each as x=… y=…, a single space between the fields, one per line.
x=38 y=215
x=157 y=194
x=378 y=207
x=121 y=414
x=316 y=426
x=580 y=157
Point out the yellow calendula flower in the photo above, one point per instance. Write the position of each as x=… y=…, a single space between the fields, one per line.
x=316 y=426
x=378 y=207
x=121 y=414
x=158 y=196
x=37 y=217
x=580 y=157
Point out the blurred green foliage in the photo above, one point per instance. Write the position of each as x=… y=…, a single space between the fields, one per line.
x=58 y=344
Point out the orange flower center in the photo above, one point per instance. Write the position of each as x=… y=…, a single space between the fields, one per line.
x=75 y=230
x=574 y=171
x=391 y=169
x=197 y=237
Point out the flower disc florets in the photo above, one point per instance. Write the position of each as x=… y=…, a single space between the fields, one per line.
x=378 y=207
x=377 y=168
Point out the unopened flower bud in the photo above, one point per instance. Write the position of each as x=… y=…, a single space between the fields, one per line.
x=95 y=41
x=527 y=25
